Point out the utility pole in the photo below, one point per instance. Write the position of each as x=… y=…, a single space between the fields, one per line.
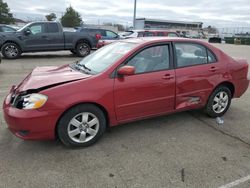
x=134 y=14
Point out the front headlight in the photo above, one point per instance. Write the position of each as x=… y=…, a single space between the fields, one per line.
x=34 y=101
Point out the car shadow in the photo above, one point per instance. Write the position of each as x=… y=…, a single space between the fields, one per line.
x=167 y=123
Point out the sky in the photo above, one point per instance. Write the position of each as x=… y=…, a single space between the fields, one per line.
x=219 y=13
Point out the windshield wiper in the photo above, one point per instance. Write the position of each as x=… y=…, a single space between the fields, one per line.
x=84 y=66
x=80 y=67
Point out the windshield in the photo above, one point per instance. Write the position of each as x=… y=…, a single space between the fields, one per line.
x=103 y=58
x=22 y=28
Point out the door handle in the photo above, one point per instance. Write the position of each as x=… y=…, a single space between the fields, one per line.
x=168 y=77
x=45 y=37
x=213 y=69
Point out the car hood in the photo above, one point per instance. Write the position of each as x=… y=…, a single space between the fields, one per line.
x=42 y=77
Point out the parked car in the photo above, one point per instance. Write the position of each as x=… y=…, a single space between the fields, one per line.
x=104 y=36
x=148 y=33
x=45 y=36
x=122 y=82
x=6 y=28
x=138 y=33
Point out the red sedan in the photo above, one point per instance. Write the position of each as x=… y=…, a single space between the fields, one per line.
x=123 y=82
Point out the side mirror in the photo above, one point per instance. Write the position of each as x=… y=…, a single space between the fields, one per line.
x=27 y=31
x=126 y=71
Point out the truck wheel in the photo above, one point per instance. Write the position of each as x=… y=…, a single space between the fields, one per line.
x=219 y=102
x=81 y=126
x=11 y=51
x=82 y=49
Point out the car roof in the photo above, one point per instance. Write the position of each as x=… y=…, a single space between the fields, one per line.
x=144 y=40
x=147 y=30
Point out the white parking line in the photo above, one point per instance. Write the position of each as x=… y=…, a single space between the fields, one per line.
x=237 y=182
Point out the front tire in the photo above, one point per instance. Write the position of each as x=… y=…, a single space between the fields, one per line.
x=82 y=49
x=11 y=50
x=82 y=125
x=219 y=102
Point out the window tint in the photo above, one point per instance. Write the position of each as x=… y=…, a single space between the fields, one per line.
x=211 y=57
x=161 y=34
x=53 y=28
x=190 y=54
x=111 y=34
x=7 y=29
x=149 y=34
x=140 y=34
x=172 y=35
x=37 y=28
x=151 y=59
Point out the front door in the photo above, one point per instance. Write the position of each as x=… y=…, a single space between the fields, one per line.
x=151 y=91
x=38 y=39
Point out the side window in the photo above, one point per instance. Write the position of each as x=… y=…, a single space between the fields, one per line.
x=111 y=34
x=172 y=35
x=7 y=29
x=37 y=28
x=188 y=54
x=160 y=34
x=211 y=57
x=149 y=34
x=151 y=59
x=103 y=33
x=140 y=34
x=53 y=28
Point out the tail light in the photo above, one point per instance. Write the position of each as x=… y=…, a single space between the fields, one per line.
x=98 y=36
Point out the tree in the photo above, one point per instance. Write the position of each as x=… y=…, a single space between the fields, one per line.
x=5 y=16
x=71 y=18
x=51 y=17
x=212 y=29
x=120 y=27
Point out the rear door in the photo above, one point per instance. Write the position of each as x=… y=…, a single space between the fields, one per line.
x=151 y=91
x=197 y=72
x=55 y=36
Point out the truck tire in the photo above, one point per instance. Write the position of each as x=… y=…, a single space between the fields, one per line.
x=11 y=50
x=82 y=49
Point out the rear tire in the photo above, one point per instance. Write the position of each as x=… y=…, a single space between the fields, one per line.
x=11 y=50
x=82 y=49
x=81 y=126
x=219 y=102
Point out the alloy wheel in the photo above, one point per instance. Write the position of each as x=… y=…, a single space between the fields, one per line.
x=220 y=102
x=83 y=127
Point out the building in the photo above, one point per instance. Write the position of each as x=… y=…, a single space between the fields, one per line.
x=182 y=27
x=144 y=23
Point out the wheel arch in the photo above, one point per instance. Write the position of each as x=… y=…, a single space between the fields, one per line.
x=229 y=85
x=102 y=108
x=11 y=41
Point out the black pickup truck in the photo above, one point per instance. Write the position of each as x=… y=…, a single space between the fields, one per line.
x=45 y=36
